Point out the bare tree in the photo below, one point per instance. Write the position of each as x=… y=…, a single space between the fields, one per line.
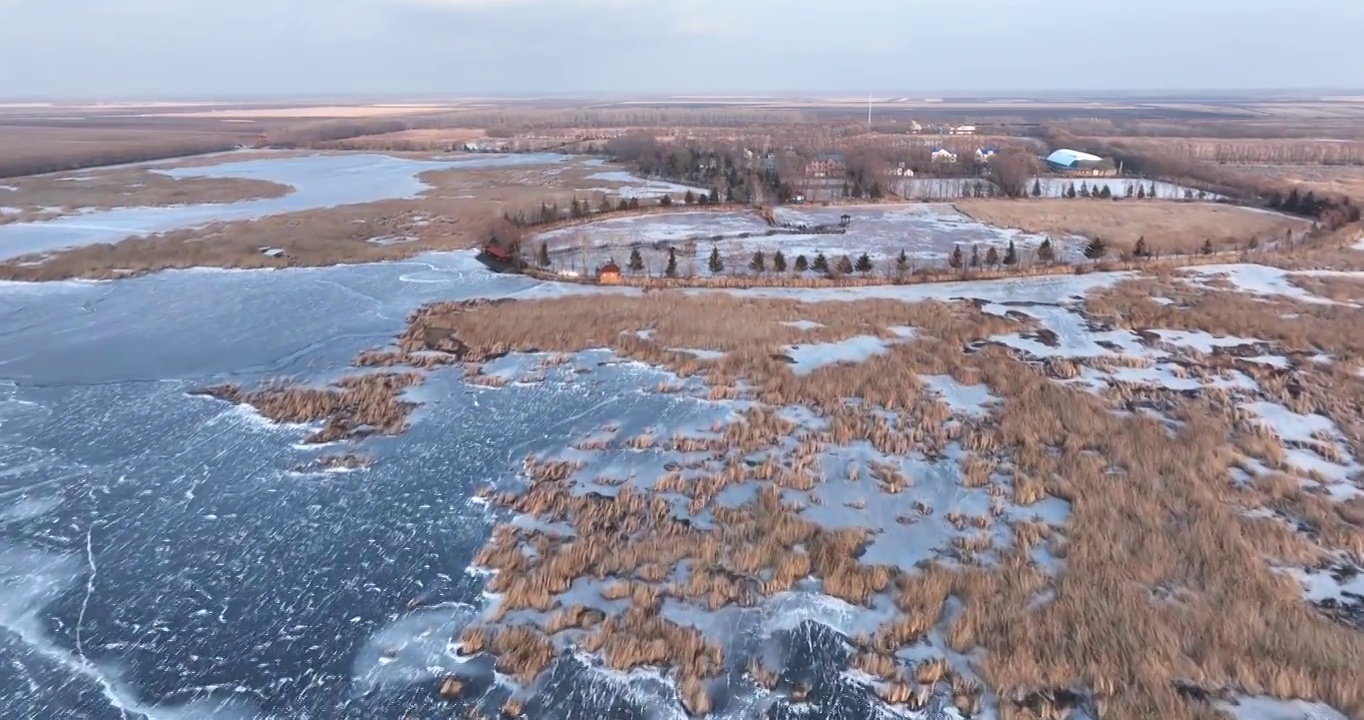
x=1012 y=169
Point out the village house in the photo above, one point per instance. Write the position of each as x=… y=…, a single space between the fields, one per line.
x=985 y=154
x=900 y=170
x=963 y=130
x=943 y=155
x=826 y=166
x=609 y=274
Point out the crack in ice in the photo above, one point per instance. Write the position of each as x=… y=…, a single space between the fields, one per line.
x=89 y=590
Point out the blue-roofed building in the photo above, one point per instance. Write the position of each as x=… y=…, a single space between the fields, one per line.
x=1074 y=162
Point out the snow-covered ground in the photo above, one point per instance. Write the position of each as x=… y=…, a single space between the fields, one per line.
x=1265 y=280
x=634 y=186
x=927 y=234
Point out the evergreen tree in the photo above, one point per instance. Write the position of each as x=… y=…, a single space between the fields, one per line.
x=1253 y=243
x=902 y=262
x=1292 y=204
x=1037 y=187
x=666 y=201
x=1070 y=191
x=992 y=256
x=975 y=256
x=821 y=263
x=1141 y=192
x=1084 y=189
x=1128 y=191
x=779 y=262
x=1152 y=192
x=863 y=264
x=576 y=209
x=758 y=263
x=1106 y=193
x=802 y=264
x=1096 y=249
x=1207 y=246
x=729 y=194
x=545 y=215
x=1045 y=252
x=1140 y=250
x=636 y=262
x=622 y=204
x=689 y=198
x=632 y=203
x=845 y=265
x=1011 y=253
x=543 y=256
x=714 y=195
x=671 y=270
x=715 y=264
x=604 y=206
x=955 y=260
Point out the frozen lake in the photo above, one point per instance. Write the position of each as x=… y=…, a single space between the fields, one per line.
x=159 y=558
x=318 y=181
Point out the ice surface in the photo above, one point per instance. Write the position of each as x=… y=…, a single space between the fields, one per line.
x=803 y=324
x=637 y=187
x=809 y=358
x=318 y=181
x=1277 y=361
x=1266 y=708
x=1259 y=280
x=1307 y=430
x=926 y=232
x=1202 y=341
x=1073 y=336
x=970 y=399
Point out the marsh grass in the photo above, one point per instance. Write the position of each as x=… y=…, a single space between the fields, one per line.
x=1169 y=517
x=352 y=408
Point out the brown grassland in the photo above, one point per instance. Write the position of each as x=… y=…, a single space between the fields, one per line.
x=133 y=187
x=31 y=150
x=1166 y=585
x=1169 y=227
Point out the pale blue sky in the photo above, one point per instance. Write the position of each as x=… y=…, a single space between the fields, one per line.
x=120 y=48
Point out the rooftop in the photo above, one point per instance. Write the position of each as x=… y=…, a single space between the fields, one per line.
x=1067 y=157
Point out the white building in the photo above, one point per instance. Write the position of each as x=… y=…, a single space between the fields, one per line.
x=943 y=155
x=963 y=130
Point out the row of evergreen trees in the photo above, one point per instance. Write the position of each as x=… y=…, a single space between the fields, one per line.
x=1104 y=192
x=761 y=262
x=578 y=209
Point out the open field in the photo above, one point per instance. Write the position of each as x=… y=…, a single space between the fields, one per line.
x=31 y=150
x=955 y=480
x=1167 y=227
x=307 y=111
x=432 y=139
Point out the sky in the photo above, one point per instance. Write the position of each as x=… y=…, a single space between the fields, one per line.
x=210 y=48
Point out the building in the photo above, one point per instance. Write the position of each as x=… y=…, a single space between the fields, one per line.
x=826 y=166
x=963 y=130
x=943 y=155
x=986 y=154
x=1079 y=164
x=609 y=274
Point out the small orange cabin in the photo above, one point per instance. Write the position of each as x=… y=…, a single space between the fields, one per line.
x=609 y=274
